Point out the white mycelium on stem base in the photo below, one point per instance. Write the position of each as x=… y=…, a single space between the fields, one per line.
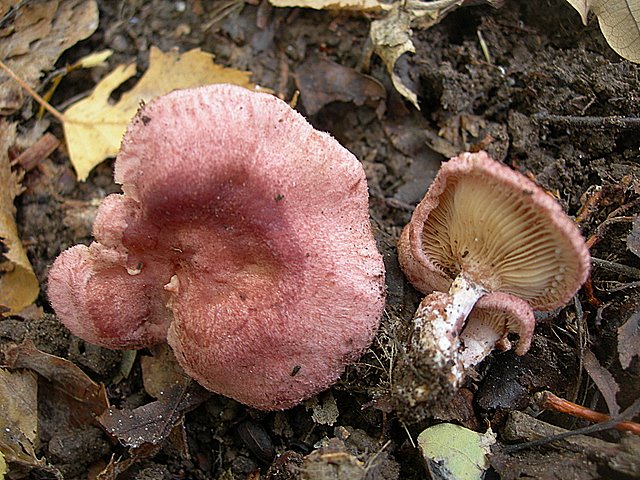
x=484 y=228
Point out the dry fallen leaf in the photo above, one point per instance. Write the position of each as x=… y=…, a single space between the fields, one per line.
x=3 y=466
x=94 y=127
x=35 y=36
x=360 y=5
x=6 y=6
x=629 y=340
x=391 y=35
x=18 y=284
x=161 y=371
x=619 y=21
x=19 y=416
x=87 y=397
x=152 y=423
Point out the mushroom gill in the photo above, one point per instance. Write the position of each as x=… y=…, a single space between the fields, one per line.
x=501 y=238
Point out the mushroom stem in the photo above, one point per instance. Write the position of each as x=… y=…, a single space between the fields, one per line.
x=478 y=341
x=437 y=326
x=464 y=295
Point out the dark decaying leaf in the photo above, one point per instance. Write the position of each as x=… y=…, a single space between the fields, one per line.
x=629 y=340
x=152 y=423
x=19 y=432
x=117 y=466
x=633 y=240
x=321 y=82
x=604 y=381
x=64 y=376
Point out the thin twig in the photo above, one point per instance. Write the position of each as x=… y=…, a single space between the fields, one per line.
x=47 y=106
x=616 y=267
x=549 y=401
x=626 y=123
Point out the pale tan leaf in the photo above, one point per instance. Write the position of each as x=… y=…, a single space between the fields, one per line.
x=582 y=7
x=620 y=24
x=359 y=5
x=34 y=39
x=391 y=35
x=391 y=38
x=619 y=21
x=18 y=284
x=94 y=127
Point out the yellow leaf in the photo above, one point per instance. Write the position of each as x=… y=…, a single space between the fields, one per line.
x=94 y=59
x=619 y=21
x=18 y=284
x=3 y=466
x=94 y=127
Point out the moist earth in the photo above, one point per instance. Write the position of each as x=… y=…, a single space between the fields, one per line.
x=541 y=101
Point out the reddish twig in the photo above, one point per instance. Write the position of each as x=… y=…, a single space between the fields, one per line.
x=587 y=288
x=549 y=401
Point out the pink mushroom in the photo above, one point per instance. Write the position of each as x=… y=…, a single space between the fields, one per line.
x=483 y=229
x=242 y=238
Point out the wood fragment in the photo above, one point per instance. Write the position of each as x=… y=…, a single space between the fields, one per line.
x=521 y=427
x=39 y=151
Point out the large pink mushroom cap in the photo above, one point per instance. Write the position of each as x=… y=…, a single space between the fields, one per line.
x=242 y=238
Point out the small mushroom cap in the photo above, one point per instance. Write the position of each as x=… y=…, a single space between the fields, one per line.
x=243 y=233
x=498 y=227
x=495 y=316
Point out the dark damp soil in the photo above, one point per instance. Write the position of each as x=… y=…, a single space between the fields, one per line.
x=526 y=105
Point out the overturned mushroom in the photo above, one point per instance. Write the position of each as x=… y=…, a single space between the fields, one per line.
x=483 y=228
x=242 y=238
